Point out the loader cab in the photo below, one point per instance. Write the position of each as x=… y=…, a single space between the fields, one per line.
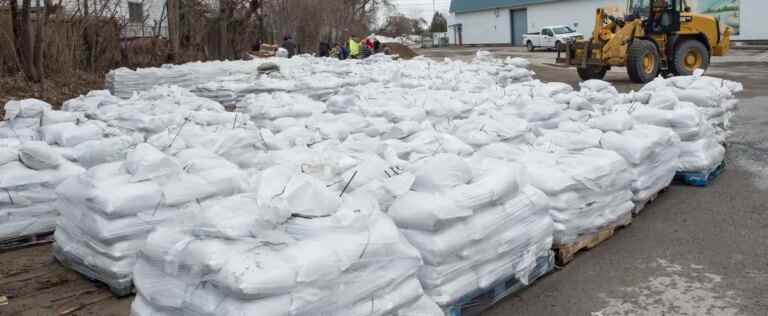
x=659 y=16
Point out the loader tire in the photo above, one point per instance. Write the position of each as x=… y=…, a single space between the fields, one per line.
x=688 y=56
x=643 y=61
x=592 y=72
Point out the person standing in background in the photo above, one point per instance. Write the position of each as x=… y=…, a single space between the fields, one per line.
x=343 y=52
x=365 y=50
x=324 y=49
x=376 y=46
x=354 y=48
x=289 y=45
x=335 y=51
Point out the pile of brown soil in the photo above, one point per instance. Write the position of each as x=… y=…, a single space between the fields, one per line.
x=405 y=52
x=53 y=90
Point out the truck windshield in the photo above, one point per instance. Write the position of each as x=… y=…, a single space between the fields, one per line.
x=563 y=30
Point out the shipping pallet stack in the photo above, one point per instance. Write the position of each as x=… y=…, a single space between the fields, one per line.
x=565 y=253
x=477 y=302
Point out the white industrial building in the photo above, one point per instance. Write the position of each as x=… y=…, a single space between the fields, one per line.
x=503 y=22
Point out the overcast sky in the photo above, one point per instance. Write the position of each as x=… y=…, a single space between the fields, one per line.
x=421 y=8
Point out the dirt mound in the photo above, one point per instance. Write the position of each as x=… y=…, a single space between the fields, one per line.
x=54 y=90
x=405 y=52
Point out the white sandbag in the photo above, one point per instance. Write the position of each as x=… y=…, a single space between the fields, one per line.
x=185 y=188
x=96 y=152
x=51 y=134
x=441 y=172
x=8 y=155
x=25 y=108
x=82 y=133
x=146 y=162
x=425 y=211
x=664 y=99
x=237 y=217
x=617 y=122
x=118 y=199
x=27 y=195
x=56 y=117
x=39 y=156
x=639 y=144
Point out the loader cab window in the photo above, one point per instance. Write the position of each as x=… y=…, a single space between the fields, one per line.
x=661 y=16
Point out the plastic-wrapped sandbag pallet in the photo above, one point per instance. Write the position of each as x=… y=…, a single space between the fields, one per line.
x=481 y=300
x=565 y=253
x=108 y=211
x=700 y=178
x=119 y=287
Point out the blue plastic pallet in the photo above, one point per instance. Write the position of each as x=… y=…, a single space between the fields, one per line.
x=476 y=302
x=699 y=178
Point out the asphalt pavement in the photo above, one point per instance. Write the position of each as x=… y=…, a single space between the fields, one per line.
x=695 y=251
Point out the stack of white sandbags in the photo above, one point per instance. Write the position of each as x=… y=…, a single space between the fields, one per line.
x=474 y=228
x=569 y=136
x=588 y=190
x=165 y=107
x=22 y=120
x=108 y=210
x=124 y=82
x=700 y=149
x=294 y=247
x=653 y=153
x=713 y=97
x=90 y=102
x=29 y=175
x=698 y=108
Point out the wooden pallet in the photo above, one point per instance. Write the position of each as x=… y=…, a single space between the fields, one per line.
x=699 y=178
x=26 y=241
x=478 y=301
x=565 y=253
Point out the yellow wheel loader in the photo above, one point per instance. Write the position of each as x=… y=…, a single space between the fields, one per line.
x=654 y=37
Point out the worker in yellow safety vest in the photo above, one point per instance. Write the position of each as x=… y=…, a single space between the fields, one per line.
x=354 y=48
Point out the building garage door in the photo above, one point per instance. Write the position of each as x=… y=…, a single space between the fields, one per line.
x=519 y=25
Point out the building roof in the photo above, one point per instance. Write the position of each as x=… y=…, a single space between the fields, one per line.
x=459 y=6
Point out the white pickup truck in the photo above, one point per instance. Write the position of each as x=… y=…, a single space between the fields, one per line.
x=550 y=37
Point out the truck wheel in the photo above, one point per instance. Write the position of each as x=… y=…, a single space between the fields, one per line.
x=592 y=72
x=643 y=61
x=688 y=56
x=530 y=46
